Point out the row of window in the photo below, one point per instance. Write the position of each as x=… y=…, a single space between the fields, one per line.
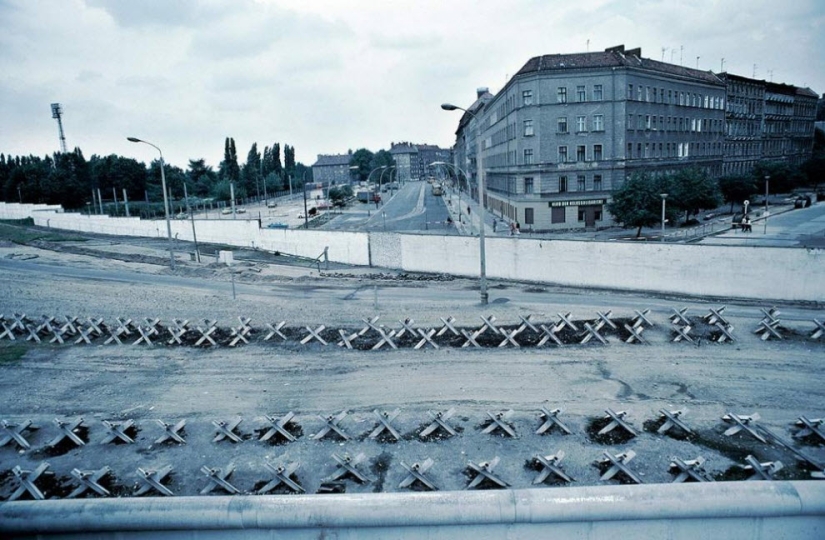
x=597 y=124
x=651 y=122
x=683 y=149
x=651 y=94
x=582 y=183
x=581 y=153
x=596 y=94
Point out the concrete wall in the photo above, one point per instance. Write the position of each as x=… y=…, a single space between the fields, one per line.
x=725 y=271
x=23 y=211
x=729 y=510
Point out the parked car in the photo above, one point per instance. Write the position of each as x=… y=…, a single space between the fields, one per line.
x=271 y=204
x=277 y=226
x=240 y=210
x=803 y=201
x=226 y=211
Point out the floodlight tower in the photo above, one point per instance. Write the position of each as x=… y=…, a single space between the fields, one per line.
x=57 y=112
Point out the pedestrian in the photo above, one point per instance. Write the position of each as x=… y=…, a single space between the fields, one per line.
x=748 y=227
x=495 y=223
x=512 y=228
x=518 y=228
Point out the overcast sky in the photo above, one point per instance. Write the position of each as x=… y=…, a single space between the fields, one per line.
x=326 y=76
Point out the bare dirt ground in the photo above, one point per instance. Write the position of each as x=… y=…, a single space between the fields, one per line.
x=781 y=380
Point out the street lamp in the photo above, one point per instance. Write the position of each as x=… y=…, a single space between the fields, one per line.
x=165 y=199
x=381 y=176
x=482 y=255
x=306 y=217
x=664 y=198
x=767 y=180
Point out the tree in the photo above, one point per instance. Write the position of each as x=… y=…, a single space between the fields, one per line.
x=289 y=161
x=693 y=190
x=339 y=193
x=229 y=169
x=737 y=189
x=201 y=177
x=251 y=172
x=783 y=179
x=638 y=202
x=120 y=173
x=361 y=158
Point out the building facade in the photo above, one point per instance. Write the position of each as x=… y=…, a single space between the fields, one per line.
x=332 y=169
x=568 y=129
x=766 y=121
x=412 y=161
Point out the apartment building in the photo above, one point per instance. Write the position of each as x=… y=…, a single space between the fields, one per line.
x=568 y=129
x=412 y=161
x=332 y=169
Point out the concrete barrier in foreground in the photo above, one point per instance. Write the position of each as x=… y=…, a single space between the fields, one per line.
x=730 y=510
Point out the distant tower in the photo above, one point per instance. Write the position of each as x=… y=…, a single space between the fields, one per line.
x=57 y=111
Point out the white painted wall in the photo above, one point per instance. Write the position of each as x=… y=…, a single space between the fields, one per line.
x=725 y=271
x=22 y=211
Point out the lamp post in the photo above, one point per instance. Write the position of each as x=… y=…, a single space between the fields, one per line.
x=306 y=217
x=482 y=256
x=664 y=198
x=165 y=199
x=381 y=176
x=767 y=180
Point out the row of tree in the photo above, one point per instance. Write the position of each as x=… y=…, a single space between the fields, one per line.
x=69 y=178
x=638 y=202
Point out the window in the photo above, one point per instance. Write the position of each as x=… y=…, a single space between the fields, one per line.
x=581 y=182
x=562 y=184
x=597 y=152
x=528 y=185
x=598 y=122
x=562 y=154
x=598 y=92
x=527 y=97
x=639 y=91
x=528 y=156
x=561 y=94
x=581 y=214
x=581 y=153
x=630 y=92
x=647 y=93
x=557 y=214
x=629 y=150
x=581 y=124
x=581 y=94
x=597 y=182
x=630 y=122
x=528 y=216
x=562 y=124
x=528 y=128
x=647 y=121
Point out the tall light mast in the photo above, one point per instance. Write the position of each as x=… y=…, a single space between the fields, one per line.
x=57 y=112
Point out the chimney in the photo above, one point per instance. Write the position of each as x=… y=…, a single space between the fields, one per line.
x=480 y=91
x=617 y=48
x=637 y=52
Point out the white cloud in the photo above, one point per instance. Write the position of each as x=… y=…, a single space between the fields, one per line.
x=325 y=75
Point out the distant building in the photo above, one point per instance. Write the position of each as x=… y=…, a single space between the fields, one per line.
x=332 y=169
x=568 y=129
x=412 y=161
x=766 y=121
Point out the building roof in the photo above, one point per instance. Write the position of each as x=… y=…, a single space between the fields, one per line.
x=403 y=148
x=612 y=57
x=807 y=92
x=332 y=160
